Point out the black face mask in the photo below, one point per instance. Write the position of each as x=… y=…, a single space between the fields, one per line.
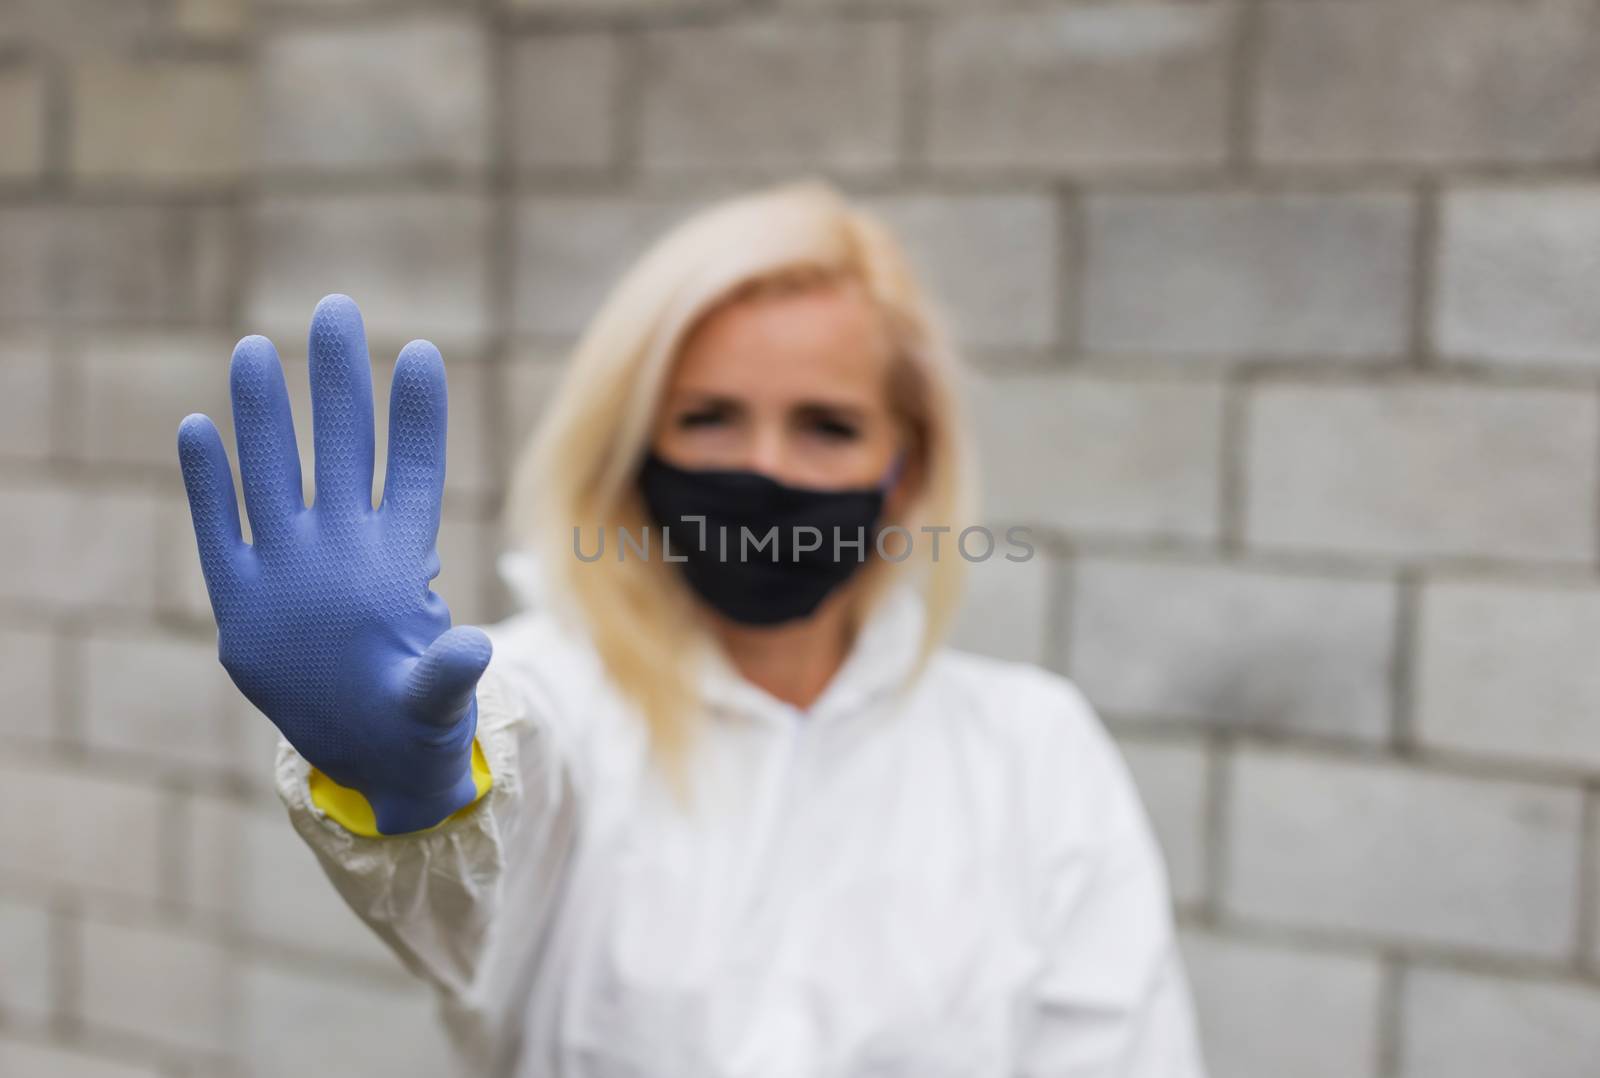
x=749 y=577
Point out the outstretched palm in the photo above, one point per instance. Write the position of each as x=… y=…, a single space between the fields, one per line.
x=325 y=620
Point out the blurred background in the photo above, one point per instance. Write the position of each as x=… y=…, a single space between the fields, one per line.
x=1285 y=318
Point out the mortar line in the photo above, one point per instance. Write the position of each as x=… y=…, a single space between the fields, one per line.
x=1423 y=291
x=912 y=42
x=1587 y=958
x=1241 y=92
x=1062 y=585
x=1409 y=586
x=1390 y=1018
x=1217 y=853
x=500 y=256
x=58 y=121
x=1233 y=488
x=628 y=108
x=1072 y=270
x=66 y=927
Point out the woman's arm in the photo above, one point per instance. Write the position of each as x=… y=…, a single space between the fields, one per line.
x=327 y=624
x=463 y=904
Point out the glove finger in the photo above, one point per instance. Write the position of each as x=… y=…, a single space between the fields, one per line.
x=269 y=459
x=341 y=408
x=418 y=413
x=441 y=683
x=212 y=505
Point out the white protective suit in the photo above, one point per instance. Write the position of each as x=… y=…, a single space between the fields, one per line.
x=959 y=881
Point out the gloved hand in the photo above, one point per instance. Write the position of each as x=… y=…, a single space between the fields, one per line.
x=325 y=620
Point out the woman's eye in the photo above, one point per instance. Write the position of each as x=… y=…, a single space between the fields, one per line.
x=833 y=429
x=699 y=419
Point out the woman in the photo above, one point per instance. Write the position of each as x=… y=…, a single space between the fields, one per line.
x=692 y=813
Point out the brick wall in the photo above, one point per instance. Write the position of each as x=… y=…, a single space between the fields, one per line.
x=1287 y=318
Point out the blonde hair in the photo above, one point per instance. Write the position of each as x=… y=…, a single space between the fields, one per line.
x=580 y=466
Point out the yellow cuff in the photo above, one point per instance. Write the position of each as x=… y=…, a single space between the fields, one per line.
x=352 y=811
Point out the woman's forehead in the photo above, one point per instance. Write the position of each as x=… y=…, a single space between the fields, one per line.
x=816 y=335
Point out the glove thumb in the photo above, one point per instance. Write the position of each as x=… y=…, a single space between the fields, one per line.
x=440 y=685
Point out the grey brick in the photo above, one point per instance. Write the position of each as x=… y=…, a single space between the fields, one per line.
x=1282 y=274
x=53 y=829
x=22 y=108
x=1174 y=784
x=416 y=263
x=128 y=263
x=1007 y=606
x=80 y=25
x=411 y=91
x=1460 y=1023
x=372 y=6
x=1508 y=671
x=27 y=972
x=165 y=698
x=110 y=260
x=526 y=385
x=69 y=548
x=28 y=671
x=251 y=870
x=1119 y=456
x=1430 y=83
x=571 y=249
x=159 y=984
x=138 y=386
x=1079 y=87
x=1403 y=855
x=1267 y=1011
x=27 y=416
x=323 y=1009
x=1423 y=469
x=212 y=18
x=564 y=101
x=663 y=6
x=174 y=121
x=208 y=252
x=773 y=93
x=1517 y=271
x=992 y=261
x=258 y=752
x=465 y=575
x=27 y=262
x=1226 y=645
x=31 y=1057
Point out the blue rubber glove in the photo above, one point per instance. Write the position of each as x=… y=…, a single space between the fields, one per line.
x=325 y=620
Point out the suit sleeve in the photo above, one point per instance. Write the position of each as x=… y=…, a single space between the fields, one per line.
x=463 y=904
x=1113 y=1000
